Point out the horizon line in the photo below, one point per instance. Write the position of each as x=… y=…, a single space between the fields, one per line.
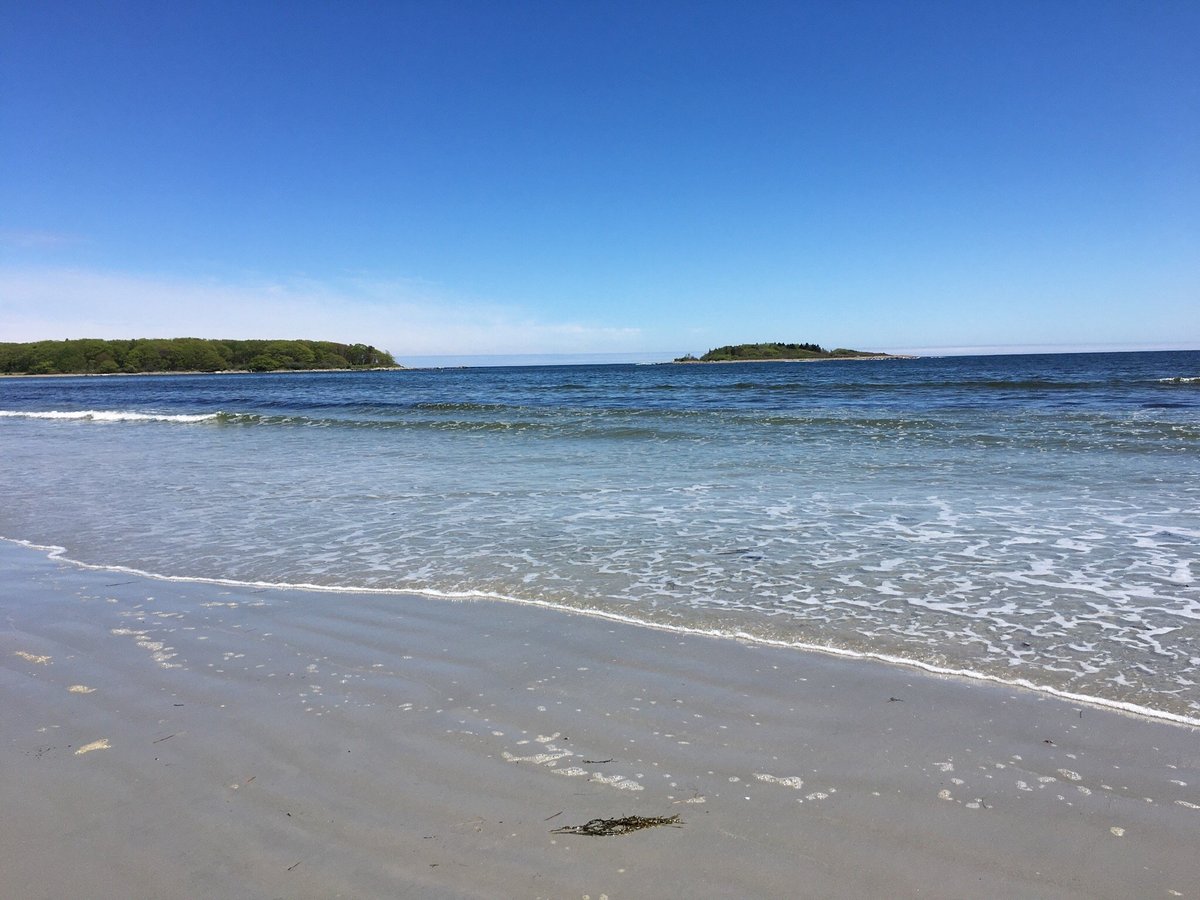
x=482 y=360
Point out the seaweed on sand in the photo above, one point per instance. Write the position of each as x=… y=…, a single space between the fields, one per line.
x=624 y=825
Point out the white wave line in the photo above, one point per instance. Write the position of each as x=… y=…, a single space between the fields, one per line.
x=101 y=415
x=59 y=553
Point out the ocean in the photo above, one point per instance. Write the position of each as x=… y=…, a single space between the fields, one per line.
x=1026 y=519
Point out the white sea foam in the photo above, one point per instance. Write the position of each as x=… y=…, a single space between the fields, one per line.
x=791 y=781
x=98 y=415
x=59 y=553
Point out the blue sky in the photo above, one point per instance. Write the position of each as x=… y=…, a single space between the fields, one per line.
x=640 y=179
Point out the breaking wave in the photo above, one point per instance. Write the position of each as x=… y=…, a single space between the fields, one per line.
x=102 y=415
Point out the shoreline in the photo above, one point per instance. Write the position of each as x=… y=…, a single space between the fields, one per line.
x=171 y=739
x=969 y=676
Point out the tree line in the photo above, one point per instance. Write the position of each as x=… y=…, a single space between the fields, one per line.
x=92 y=356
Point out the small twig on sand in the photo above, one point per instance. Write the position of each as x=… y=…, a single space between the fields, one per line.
x=555 y=816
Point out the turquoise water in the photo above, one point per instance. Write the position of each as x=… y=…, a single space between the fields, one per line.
x=1031 y=518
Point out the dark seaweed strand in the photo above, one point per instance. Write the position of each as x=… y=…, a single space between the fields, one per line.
x=606 y=827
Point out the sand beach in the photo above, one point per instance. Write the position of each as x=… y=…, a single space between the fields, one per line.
x=172 y=739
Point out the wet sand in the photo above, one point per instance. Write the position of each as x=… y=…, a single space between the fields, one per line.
x=166 y=739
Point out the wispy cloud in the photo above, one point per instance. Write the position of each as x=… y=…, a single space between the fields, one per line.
x=406 y=317
x=26 y=239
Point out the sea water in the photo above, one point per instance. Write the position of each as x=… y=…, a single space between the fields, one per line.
x=1031 y=519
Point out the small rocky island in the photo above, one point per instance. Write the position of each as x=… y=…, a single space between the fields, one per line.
x=780 y=352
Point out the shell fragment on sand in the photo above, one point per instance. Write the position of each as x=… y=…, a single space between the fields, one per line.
x=101 y=744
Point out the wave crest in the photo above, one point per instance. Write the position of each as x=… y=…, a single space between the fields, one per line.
x=109 y=415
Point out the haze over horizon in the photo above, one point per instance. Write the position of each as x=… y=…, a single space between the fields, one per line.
x=464 y=179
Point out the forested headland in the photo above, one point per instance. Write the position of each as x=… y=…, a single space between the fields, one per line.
x=775 y=350
x=91 y=356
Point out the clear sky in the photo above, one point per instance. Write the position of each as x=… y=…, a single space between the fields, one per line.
x=453 y=178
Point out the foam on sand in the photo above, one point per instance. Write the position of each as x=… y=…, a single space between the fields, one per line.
x=164 y=654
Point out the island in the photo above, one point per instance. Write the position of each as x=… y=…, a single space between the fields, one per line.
x=780 y=352
x=93 y=356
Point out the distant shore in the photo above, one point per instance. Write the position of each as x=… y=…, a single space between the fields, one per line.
x=137 y=356
x=810 y=359
x=197 y=372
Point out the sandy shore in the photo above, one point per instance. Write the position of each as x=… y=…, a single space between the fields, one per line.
x=164 y=739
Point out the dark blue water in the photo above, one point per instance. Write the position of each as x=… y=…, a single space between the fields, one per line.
x=1108 y=382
